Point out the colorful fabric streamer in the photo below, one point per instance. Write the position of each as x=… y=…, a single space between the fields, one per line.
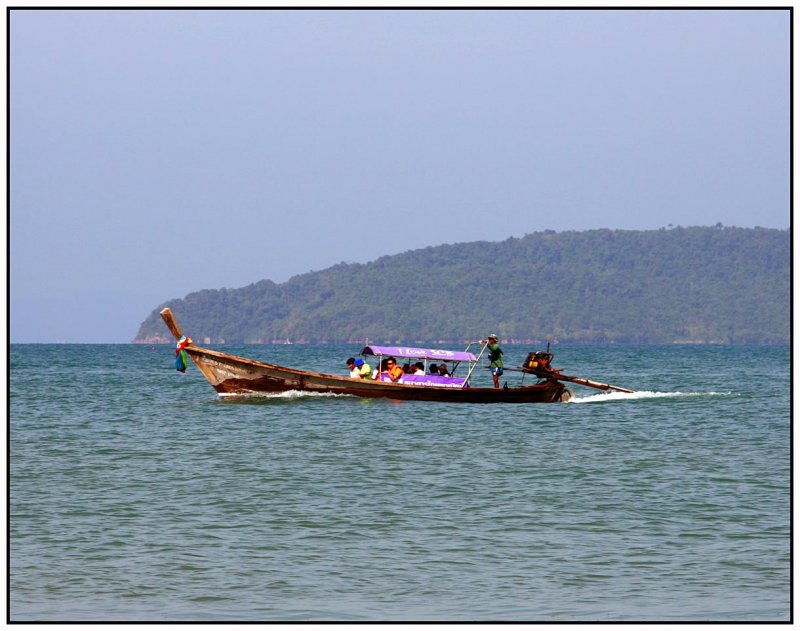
x=181 y=359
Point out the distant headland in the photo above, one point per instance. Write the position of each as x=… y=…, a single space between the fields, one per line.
x=696 y=285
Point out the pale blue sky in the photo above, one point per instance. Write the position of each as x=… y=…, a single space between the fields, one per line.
x=156 y=153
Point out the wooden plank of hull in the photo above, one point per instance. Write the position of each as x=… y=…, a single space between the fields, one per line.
x=229 y=374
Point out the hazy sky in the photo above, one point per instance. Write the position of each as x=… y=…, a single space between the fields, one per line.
x=155 y=153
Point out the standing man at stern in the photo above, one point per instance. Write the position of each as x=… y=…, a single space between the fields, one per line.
x=496 y=359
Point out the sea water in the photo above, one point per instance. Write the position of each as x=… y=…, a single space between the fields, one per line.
x=137 y=494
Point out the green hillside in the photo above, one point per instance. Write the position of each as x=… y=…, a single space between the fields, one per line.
x=692 y=285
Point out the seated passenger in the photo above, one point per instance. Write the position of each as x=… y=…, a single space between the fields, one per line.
x=443 y=372
x=389 y=367
x=407 y=369
x=434 y=370
x=419 y=369
x=395 y=371
x=351 y=365
x=363 y=368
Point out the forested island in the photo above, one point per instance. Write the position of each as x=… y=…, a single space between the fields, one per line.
x=697 y=285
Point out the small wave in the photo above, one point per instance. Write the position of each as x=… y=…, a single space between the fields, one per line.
x=288 y=395
x=643 y=394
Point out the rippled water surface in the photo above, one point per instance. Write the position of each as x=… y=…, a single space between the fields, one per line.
x=137 y=494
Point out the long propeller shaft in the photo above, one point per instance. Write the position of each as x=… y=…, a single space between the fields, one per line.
x=558 y=376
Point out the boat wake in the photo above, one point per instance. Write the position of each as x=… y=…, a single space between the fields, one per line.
x=644 y=394
x=289 y=395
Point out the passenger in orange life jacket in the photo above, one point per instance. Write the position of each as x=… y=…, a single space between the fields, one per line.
x=390 y=367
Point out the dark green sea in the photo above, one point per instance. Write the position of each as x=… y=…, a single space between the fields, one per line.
x=136 y=494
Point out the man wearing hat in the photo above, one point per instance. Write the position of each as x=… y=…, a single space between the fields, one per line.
x=496 y=359
x=363 y=368
x=359 y=369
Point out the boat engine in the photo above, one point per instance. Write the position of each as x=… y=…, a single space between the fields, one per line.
x=538 y=361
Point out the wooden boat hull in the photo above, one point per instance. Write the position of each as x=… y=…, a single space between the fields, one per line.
x=232 y=375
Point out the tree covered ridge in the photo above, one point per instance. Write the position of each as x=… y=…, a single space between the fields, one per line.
x=700 y=284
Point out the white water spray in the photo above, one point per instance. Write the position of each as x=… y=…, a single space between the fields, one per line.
x=644 y=394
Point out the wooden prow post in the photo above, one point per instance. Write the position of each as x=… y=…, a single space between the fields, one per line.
x=172 y=325
x=169 y=320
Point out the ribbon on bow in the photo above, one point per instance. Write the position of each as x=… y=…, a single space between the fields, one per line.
x=181 y=359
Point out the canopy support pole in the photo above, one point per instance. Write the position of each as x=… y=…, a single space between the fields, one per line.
x=472 y=367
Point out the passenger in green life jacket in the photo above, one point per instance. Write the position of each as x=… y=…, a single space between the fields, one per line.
x=496 y=359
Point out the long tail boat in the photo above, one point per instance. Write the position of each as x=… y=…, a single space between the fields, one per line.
x=232 y=375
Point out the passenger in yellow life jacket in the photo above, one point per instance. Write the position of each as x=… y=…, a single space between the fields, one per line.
x=363 y=368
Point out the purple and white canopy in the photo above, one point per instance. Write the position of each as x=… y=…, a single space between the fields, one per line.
x=419 y=353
